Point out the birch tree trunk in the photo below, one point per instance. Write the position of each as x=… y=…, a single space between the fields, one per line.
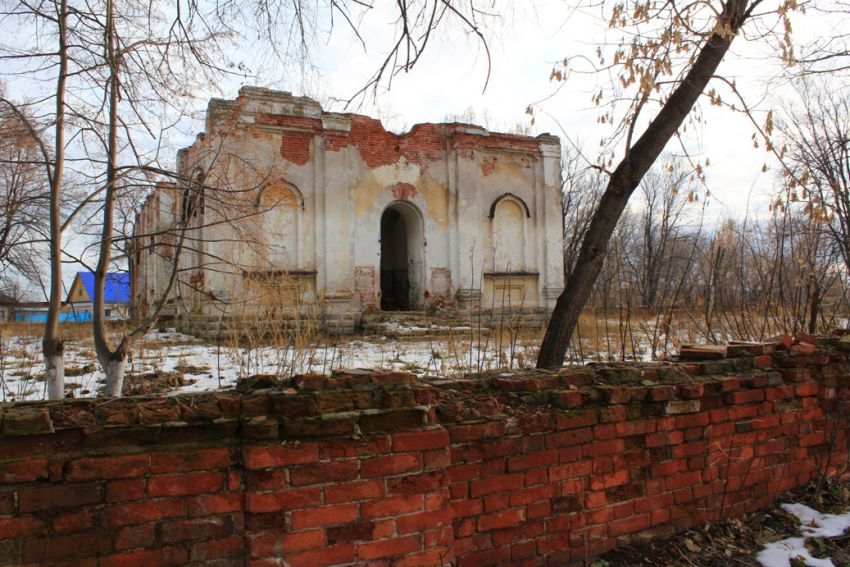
x=53 y=347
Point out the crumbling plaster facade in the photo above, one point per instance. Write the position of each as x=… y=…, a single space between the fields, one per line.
x=444 y=216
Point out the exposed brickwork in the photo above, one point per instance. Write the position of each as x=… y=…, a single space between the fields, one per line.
x=424 y=144
x=441 y=283
x=403 y=191
x=295 y=147
x=366 y=286
x=488 y=166
x=381 y=469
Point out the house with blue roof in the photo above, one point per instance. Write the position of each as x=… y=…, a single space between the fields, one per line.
x=80 y=299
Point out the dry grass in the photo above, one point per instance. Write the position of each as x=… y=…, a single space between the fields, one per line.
x=272 y=320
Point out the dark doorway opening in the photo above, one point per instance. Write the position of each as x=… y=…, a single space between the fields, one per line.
x=395 y=280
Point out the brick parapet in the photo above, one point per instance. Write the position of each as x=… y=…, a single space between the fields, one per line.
x=540 y=467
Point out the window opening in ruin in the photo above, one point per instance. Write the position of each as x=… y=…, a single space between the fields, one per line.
x=395 y=283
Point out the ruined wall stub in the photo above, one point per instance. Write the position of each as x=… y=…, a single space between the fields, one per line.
x=298 y=194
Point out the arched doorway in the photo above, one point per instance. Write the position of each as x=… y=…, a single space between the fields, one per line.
x=401 y=258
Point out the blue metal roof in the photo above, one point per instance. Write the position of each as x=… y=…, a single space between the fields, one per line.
x=117 y=286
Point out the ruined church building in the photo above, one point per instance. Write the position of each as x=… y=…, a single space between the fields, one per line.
x=339 y=212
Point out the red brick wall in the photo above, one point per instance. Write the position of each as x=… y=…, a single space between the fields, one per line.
x=542 y=468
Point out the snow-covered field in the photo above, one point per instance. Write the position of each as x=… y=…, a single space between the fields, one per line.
x=204 y=366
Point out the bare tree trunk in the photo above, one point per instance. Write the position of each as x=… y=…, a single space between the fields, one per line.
x=115 y=368
x=814 y=305
x=52 y=345
x=113 y=362
x=625 y=179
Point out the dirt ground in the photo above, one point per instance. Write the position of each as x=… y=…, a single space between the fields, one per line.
x=735 y=543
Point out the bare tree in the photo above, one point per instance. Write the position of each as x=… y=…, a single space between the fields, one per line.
x=23 y=200
x=665 y=193
x=579 y=198
x=51 y=64
x=816 y=134
x=652 y=63
x=829 y=54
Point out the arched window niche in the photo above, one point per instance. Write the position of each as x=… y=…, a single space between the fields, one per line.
x=511 y=281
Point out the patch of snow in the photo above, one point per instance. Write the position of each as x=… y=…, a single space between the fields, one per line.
x=812 y=524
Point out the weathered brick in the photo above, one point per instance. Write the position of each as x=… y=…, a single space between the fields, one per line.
x=284 y=500
x=610 y=447
x=417 y=483
x=275 y=543
x=333 y=555
x=463 y=433
x=664 y=438
x=59 y=496
x=630 y=428
x=265 y=456
x=402 y=504
x=323 y=472
x=11 y=528
x=677 y=407
x=144 y=512
x=350 y=532
x=391 y=465
x=569 y=437
x=416 y=523
x=661 y=393
x=25 y=421
x=203 y=551
x=352 y=491
x=745 y=396
x=125 y=490
x=629 y=525
x=524 y=462
x=63 y=548
x=602 y=482
x=675 y=482
x=23 y=471
x=196 y=528
x=496 y=502
x=570 y=470
x=164 y=556
x=125 y=466
x=535 y=494
x=566 y=399
x=209 y=504
x=185 y=484
x=135 y=537
x=74 y=521
x=389 y=548
x=576 y=419
x=691 y=391
x=420 y=440
x=613 y=414
x=501 y=520
x=807 y=389
x=496 y=484
x=324 y=516
x=194 y=460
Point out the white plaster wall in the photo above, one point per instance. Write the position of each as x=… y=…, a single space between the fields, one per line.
x=342 y=200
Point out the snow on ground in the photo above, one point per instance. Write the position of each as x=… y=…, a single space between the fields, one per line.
x=812 y=524
x=209 y=367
